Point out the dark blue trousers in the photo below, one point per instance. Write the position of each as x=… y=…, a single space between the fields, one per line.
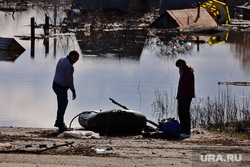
x=62 y=103
x=184 y=115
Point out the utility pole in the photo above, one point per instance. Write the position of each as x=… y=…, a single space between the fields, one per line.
x=55 y=15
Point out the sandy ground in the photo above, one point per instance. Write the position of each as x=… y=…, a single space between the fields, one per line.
x=37 y=147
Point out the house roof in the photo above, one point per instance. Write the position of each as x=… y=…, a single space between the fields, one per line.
x=10 y=44
x=10 y=49
x=187 y=17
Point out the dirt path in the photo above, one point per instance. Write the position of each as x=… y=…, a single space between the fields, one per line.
x=202 y=149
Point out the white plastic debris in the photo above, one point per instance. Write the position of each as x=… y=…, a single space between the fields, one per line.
x=79 y=134
x=5 y=145
x=100 y=151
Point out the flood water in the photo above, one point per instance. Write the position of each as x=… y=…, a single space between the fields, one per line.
x=126 y=66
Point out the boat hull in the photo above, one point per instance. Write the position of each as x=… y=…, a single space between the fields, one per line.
x=113 y=121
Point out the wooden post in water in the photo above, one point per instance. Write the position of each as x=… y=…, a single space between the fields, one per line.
x=32 y=25
x=32 y=50
x=46 y=25
x=46 y=45
x=198 y=43
x=55 y=15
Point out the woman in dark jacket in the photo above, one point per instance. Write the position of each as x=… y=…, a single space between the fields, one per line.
x=186 y=92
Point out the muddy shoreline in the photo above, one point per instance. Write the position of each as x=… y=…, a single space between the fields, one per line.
x=118 y=151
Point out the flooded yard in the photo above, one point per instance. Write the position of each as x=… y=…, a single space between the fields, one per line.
x=126 y=65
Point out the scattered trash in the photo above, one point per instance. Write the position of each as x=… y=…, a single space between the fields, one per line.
x=28 y=145
x=151 y=20
x=196 y=132
x=100 y=151
x=109 y=148
x=182 y=43
x=36 y=131
x=5 y=145
x=34 y=151
x=79 y=134
x=42 y=145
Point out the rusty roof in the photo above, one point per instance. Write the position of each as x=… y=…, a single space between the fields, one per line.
x=186 y=17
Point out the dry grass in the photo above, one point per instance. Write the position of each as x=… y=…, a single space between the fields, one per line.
x=223 y=114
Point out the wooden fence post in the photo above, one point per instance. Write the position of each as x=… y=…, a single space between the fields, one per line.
x=46 y=25
x=32 y=22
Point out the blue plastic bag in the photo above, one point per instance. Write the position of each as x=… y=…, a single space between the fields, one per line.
x=171 y=128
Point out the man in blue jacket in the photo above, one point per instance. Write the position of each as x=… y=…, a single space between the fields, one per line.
x=63 y=80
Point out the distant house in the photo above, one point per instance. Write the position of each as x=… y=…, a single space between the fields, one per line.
x=122 y=5
x=245 y=10
x=185 y=19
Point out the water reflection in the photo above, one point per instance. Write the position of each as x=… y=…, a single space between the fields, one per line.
x=127 y=66
x=117 y=44
x=169 y=45
x=10 y=55
x=168 y=49
x=130 y=43
x=241 y=48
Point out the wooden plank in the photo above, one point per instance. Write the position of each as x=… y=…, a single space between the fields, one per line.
x=235 y=83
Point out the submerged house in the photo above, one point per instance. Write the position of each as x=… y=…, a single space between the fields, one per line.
x=10 y=49
x=217 y=9
x=186 y=20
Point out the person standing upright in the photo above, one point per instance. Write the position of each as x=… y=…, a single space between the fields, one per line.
x=64 y=80
x=186 y=91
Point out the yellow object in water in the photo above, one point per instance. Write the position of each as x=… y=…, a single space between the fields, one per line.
x=218 y=10
x=218 y=39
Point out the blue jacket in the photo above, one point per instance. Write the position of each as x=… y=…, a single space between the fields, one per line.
x=64 y=73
